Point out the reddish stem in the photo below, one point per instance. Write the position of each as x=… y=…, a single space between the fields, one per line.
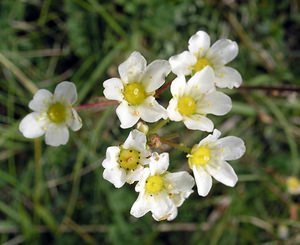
x=163 y=88
x=259 y=87
x=98 y=104
x=105 y=103
x=271 y=88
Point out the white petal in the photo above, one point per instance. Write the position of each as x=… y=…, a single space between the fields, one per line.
x=132 y=68
x=199 y=43
x=182 y=64
x=140 y=207
x=179 y=182
x=172 y=111
x=66 y=92
x=127 y=115
x=144 y=156
x=216 y=103
x=224 y=173
x=56 y=135
x=134 y=175
x=31 y=127
x=74 y=121
x=173 y=213
x=227 y=77
x=109 y=164
x=179 y=198
x=178 y=86
x=155 y=74
x=151 y=111
x=112 y=155
x=116 y=176
x=202 y=81
x=216 y=134
x=211 y=138
x=231 y=147
x=136 y=140
x=113 y=89
x=140 y=186
x=159 y=163
x=41 y=100
x=199 y=122
x=223 y=51
x=161 y=206
x=203 y=181
x=170 y=215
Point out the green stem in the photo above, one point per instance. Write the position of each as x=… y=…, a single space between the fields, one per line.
x=38 y=173
x=180 y=147
x=157 y=126
x=171 y=136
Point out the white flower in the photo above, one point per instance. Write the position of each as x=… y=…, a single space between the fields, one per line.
x=161 y=192
x=52 y=115
x=208 y=158
x=293 y=185
x=125 y=163
x=200 y=55
x=193 y=100
x=136 y=88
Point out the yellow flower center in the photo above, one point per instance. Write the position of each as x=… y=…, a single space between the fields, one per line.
x=293 y=183
x=200 y=64
x=154 y=184
x=129 y=159
x=57 y=113
x=199 y=156
x=186 y=105
x=134 y=93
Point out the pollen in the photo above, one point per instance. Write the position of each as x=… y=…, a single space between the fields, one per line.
x=200 y=64
x=134 y=93
x=199 y=156
x=154 y=184
x=187 y=105
x=129 y=159
x=57 y=113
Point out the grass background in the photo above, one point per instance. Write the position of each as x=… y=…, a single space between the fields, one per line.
x=54 y=195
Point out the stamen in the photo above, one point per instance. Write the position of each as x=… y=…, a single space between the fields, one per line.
x=134 y=93
x=187 y=105
x=57 y=113
x=129 y=159
x=201 y=63
x=154 y=184
x=199 y=156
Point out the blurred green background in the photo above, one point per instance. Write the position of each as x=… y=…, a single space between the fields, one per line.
x=54 y=195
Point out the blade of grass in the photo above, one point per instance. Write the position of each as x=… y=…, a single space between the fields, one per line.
x=26 y=82
x=47 y=217
x=96 y=7
x=289 y=136
x=99 y=71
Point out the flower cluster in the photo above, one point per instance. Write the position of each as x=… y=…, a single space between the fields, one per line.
x=160 y=191
x=200 y=71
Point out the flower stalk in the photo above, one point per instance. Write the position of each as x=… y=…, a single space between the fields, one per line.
x=180 y=146
x=101 y=104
